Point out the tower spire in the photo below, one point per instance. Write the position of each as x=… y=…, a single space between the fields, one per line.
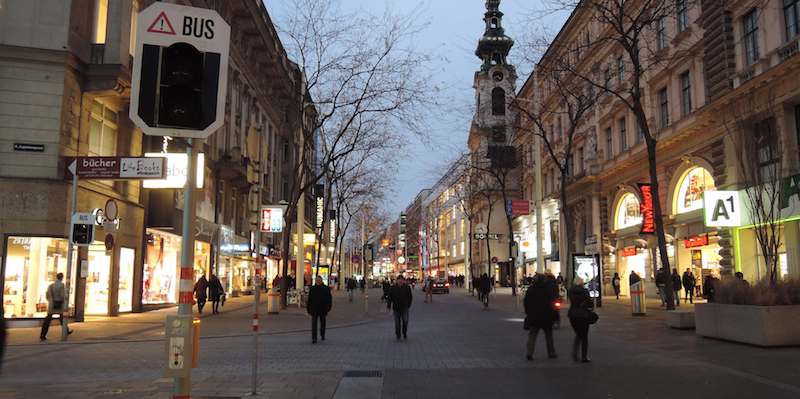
x=494 y=45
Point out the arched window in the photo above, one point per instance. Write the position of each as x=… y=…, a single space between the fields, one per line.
x=498 y=101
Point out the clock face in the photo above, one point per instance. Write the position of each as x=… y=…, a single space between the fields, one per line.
x=498 y=76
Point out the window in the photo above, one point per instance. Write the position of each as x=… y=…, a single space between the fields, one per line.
x=767 y=148
x=663 y=105
x=686 y=93
x=683 y=15
x=609 y=145
x=661 y=34
x=791 y=18
x=494 y=23
x=623 y=135
x=100 y=21
x=750 y=24
x=102 y=130
x=620 y=68
x=498 y=101
x=639 y=133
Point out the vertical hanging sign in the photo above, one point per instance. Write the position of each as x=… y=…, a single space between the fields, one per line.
x=646 y=209
x=319 y=202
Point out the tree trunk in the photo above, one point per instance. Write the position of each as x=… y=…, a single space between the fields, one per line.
x=568 y=236
x=286 y=255
x=659 y=222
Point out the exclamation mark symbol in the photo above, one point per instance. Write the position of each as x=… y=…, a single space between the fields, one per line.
x=162 y=24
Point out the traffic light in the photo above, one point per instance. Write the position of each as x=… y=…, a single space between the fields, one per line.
x=82 y=234
x=178 y=86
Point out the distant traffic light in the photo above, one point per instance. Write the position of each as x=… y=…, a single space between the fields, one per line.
x=82 y=234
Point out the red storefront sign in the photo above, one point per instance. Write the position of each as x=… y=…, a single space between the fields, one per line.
x=646 y=209
x=628 y=251
x=696 y=241
x=520 y=207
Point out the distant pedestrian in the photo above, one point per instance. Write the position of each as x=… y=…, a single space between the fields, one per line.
x=401 y=298
x=689 y=282
x=351 y=286
x=615 y=284
x=363 y=284
x=56 y=304
x=216 y=293
x=676 y=286
x=319 y=304
x=427 y=287
x=661 y=283
x=201 y=292
x=485 y=286
x=540 y=314
x=740 y=279
x=710 y=288
x=581 y=315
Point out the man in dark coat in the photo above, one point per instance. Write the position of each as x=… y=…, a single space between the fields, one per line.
x=401 y=298
x=201 y=292
x=689 y=282
x=318 y=305
x=215 y=293
x=540 y=314
x=676 y=286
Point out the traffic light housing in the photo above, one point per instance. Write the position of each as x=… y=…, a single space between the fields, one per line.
x=82 y=234
x=178 y=86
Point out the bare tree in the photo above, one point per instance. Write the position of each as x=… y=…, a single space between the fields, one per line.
x=570 y=101
x=752 y=130
x=360 y=79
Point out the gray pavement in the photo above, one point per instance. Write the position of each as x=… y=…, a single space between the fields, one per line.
x=455 y=349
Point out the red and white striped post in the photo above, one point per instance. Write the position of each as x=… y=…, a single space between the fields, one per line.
x=256 y=300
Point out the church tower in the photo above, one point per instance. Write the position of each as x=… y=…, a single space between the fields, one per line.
x=494 y=84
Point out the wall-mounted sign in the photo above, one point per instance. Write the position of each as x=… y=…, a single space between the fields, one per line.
x=28 y=147
x=332 y=219
x=722 y=208
x=319 y=202
x=177 y=170
x=646 y=209
x=696 y=241
x=628 y=251
x=119 y=168
x=271 y=219
x=518 y=207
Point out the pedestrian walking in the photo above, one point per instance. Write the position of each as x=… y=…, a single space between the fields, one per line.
x=201 y=292
x=363 y=284
x=427 y=287
x=689 y=283
x=676 y=286
x=485 y=287
x=351 y=286
x=540 y=314
x=661 y=283
x=216 y=293
x=319 y=304
x=401 y=298
x=581 y=315
x=615 y=282
x=56 y=304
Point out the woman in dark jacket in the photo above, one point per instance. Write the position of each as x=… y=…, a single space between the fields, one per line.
x=540 y=314
x=215 y=293
x=579 y=312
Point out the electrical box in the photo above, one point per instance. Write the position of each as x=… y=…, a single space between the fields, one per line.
x=180 y=342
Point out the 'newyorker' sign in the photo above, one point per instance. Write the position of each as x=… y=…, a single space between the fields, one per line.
x=120 y=168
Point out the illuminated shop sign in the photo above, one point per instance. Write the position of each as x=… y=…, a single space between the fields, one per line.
x=628 y=251
x=722 y=208
x=177 y=170
x=646 y=209
x=271 y=219
x=696 y=241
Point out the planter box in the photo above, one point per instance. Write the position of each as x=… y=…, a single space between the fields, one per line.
x=756 y=325
x=680 y=319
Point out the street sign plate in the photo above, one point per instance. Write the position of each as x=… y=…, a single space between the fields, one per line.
x=164 y=24
x=120 y=168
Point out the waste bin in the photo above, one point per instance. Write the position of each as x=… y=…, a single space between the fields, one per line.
x=637 y=299
x=273 y=301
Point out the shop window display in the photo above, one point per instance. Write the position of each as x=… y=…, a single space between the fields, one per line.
x=690 y=191
x=161 y=268
x=202 y=259
x=30 y=266
x=628 y=212
x=98 y=280
x=127 y=257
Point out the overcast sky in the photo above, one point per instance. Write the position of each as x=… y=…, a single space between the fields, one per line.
x=452 y=29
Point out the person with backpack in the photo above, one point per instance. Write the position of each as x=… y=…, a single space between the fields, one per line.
x=56 y=304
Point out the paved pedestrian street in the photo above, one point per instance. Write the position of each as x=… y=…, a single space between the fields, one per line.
x=455 y=350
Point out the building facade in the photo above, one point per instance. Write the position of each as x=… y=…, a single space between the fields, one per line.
x=65 y=92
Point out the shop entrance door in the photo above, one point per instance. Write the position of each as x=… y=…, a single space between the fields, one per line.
x=97 y=280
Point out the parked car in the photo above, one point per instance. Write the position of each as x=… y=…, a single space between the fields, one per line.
x=441 y=286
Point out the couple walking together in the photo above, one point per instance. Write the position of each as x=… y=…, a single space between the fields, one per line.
x=541 y=313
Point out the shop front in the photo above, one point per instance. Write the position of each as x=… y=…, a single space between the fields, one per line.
x=161 y=269
x=235 y=267
x=632 y=253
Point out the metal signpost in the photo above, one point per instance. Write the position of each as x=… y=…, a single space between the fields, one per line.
x=178 y=89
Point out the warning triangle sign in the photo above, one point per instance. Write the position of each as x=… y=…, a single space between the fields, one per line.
x=162 y=25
